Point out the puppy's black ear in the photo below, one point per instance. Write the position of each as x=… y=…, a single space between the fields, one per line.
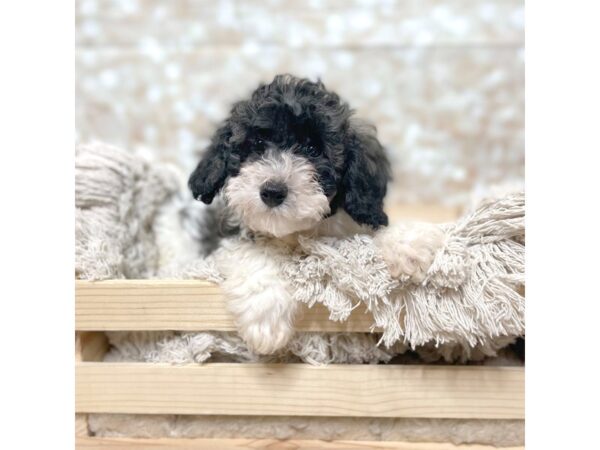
x=366 y=176
x=214 y=167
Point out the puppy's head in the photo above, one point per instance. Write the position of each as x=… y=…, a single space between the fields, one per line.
x=290 y=156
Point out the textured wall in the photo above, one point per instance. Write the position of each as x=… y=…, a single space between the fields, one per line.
x=442 y=80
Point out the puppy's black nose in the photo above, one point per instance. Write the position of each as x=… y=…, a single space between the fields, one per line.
x=273 y=193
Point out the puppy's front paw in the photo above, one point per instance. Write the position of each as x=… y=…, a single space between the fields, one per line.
x=266 y=338
x=409 y=249
x=264 y=315
x=258 y=296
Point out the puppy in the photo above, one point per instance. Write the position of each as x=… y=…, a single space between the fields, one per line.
x=289 y=160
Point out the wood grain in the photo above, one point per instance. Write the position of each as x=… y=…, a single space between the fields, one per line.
x=301 y=390
x=81 y=425
x=94 y=443
x=186 y=305
x=90 y=346
x=422 y=212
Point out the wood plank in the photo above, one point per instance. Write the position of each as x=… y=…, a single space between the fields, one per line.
x=95 y=443
x=78 y=347
x=90 y=346
x=301 y=390
x=186 y=305
x=422 y=212
x=81 y=425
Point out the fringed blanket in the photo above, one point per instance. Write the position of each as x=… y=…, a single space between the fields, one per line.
x=136 y=220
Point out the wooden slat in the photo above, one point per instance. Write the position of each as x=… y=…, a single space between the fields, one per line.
x=81 y=425
x=90 y=346
x=302 y=390
x=422 y=213
x=78 y=347
x=94 y=443
x=186 y=305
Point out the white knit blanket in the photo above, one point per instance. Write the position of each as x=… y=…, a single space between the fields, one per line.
x=136 y=220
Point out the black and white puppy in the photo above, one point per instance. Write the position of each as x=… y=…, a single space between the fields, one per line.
x=292 y=155
x=289 y=160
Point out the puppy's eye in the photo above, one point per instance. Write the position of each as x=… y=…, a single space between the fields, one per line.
x=259 y=144
x=312 y=149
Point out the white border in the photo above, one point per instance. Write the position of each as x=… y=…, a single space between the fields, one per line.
x=36 y=189
x=562 y=170
x=563 y=129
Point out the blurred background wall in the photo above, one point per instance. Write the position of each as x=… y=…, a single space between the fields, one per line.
x=443 y=81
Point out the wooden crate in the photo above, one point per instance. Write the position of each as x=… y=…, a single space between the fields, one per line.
x=420 y=391
x=259 y=389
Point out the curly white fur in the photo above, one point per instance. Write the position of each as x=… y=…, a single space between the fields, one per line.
x=409 y=249
x=258 y=295
x=303 y=208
